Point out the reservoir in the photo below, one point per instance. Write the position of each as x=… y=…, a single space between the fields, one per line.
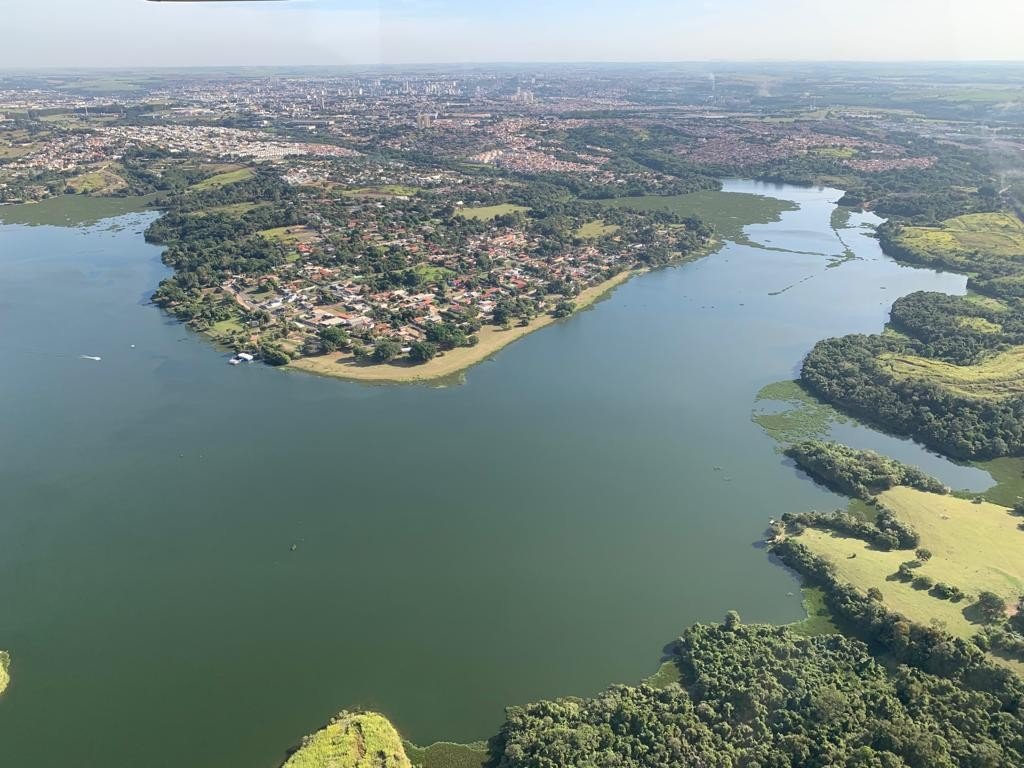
x=200 y=563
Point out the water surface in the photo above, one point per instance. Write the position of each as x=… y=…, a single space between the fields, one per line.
x=542 y=529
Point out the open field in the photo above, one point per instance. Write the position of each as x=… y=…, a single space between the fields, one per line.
x=995 y=378
x=596 y=228
x=224 y=327
x=994 y=305
x=385 y=190
x=1008 y=473
x=289 y=235
x=996 y=234
x=979 y=324
x=450 y=363
x=433 y=274
x=12 y=151
x=234 y=209
x=223 y=179
x=364 y=740
x=99 y=181
x=974 y=547
x=488 y=212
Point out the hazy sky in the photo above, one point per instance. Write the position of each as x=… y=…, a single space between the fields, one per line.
x=135 y=32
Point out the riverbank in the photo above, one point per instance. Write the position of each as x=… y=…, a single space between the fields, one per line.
x=457 y=361
x=452 y=362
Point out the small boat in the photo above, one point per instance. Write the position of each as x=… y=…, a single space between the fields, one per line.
x=234 y=361
x=90 y=357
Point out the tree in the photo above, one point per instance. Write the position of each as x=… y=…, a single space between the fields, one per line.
x=422 y=351
x=923 y=582
x=732 y=621
x=385 y=350
x=274 y=355
x=564 y=308
x=991 y=607
x=924 y=555
x=333 y=338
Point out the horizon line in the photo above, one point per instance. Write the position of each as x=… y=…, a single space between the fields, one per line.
x=539 y=62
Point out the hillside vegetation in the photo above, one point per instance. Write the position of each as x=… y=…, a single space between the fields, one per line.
x=352 y=740
x=749 y=695
x=996 y=378
x=962 y=237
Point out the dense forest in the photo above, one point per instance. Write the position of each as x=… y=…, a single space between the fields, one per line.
x=848 y=373
x=857 y=473
x=764 y=696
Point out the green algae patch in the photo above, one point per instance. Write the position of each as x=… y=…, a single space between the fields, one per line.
x=790 y=414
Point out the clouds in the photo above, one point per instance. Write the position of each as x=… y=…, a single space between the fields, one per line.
x=136 y=33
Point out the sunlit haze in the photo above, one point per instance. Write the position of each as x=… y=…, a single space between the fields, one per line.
x=107 y=33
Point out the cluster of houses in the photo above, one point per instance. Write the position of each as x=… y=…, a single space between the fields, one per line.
x=311 y=297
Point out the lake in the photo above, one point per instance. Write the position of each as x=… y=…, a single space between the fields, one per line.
x=200 y=563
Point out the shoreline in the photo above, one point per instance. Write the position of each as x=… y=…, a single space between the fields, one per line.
x=452 y=362
x=455 y=362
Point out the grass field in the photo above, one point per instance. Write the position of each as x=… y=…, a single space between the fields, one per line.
x=1008 y=472
x=385 y=190
x=11 y=151
x=99 y=181
x=234 y=209
x=979 y=324
x=431 y=274
x=363 y=740
x=289 y=235
x=596 y=228
x=995 y=378
x=223 y=179
x=841 y=153
x=974 y=547
x=994 y=305
x=997 y=234
x=445 y=754
x=224 y=327
x=488 y=212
